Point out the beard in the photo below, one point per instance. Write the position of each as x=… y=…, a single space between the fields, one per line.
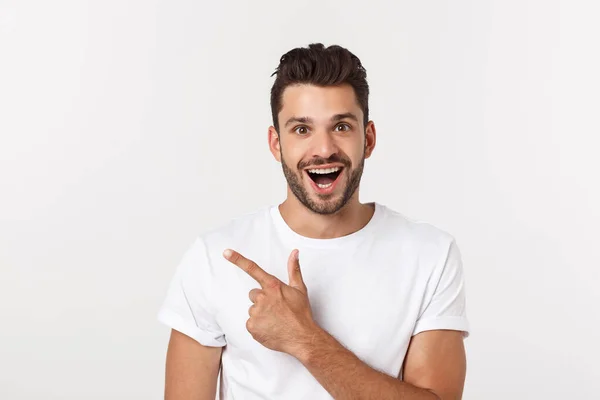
x=329 y=203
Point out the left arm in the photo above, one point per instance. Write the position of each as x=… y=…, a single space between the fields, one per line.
x=281 y=320
x=434 y=369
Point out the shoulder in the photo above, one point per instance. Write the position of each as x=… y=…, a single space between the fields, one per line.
x=420 y=246
x=237 y=230
x=415 y=234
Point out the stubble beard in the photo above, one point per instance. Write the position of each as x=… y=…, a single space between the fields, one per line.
x=329 y=204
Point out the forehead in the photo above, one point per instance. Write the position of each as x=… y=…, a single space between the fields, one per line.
x=318 y=102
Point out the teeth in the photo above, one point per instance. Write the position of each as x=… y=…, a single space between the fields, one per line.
x=324 y=186
x=324 y=170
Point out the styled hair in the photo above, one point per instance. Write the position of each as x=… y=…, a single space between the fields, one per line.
x=321 y=66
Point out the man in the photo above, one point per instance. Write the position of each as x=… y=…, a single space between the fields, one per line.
x=321 y=296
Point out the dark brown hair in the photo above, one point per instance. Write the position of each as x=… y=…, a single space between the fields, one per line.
x=321 y=66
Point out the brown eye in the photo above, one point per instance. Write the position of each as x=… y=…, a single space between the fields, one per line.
x=345 y=126
x=301 y=130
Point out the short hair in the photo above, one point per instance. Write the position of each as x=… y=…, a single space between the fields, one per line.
x=321 y=66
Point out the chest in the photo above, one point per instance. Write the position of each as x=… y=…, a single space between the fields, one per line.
x=368 y=303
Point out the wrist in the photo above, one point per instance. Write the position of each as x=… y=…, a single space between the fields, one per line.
x=313 y=339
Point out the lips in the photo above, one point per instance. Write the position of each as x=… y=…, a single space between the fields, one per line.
x=325 y=166
x=324 y=183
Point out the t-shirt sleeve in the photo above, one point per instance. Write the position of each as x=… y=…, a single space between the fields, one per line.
x=444 y=302
x=188 y=307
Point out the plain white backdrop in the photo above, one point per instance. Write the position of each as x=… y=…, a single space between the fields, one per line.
x=129 y=127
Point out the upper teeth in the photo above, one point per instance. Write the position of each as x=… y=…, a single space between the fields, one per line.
x=324 y=170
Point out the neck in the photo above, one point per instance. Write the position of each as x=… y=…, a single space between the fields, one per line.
x=349 y=219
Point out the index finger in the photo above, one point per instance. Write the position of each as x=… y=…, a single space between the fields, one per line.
x=251 y=268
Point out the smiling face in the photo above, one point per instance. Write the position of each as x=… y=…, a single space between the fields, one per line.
x=322 y=145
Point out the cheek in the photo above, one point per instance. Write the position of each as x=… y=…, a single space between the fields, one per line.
x=293 y=154
x=354 y=152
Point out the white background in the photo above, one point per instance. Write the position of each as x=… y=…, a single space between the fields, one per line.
x=128 y=127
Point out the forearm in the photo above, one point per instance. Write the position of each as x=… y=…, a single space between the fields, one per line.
x=345 y=376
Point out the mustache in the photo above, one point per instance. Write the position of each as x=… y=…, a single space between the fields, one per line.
x=334 y=158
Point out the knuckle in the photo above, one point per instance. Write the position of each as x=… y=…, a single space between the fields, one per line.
x=273 y=283
x=251 y=267
x=250 y=325
x=257 y=295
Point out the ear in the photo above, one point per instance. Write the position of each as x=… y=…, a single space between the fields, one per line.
x=370 y=138
x=274 y=144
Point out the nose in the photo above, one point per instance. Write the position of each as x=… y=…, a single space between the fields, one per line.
x=324 y=145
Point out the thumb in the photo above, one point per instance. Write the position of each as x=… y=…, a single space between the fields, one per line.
x=294 y=272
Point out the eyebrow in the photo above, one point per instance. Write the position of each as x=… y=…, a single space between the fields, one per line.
x=308 y=120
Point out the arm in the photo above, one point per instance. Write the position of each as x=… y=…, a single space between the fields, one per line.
x=437 y=360
x=192 y=369
x=281 y=320
x=194 y=352
x=434 y=369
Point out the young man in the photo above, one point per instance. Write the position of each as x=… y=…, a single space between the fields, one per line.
x=321 y=296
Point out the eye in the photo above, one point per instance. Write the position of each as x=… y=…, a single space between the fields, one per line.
x=345 y=126
x=301 y=130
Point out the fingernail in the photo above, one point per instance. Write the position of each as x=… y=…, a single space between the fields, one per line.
x=297 y=255
x=227 y=253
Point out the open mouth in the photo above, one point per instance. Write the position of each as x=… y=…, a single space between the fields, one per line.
x=324 y=177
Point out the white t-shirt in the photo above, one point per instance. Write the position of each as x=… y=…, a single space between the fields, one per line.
x=372 y=290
